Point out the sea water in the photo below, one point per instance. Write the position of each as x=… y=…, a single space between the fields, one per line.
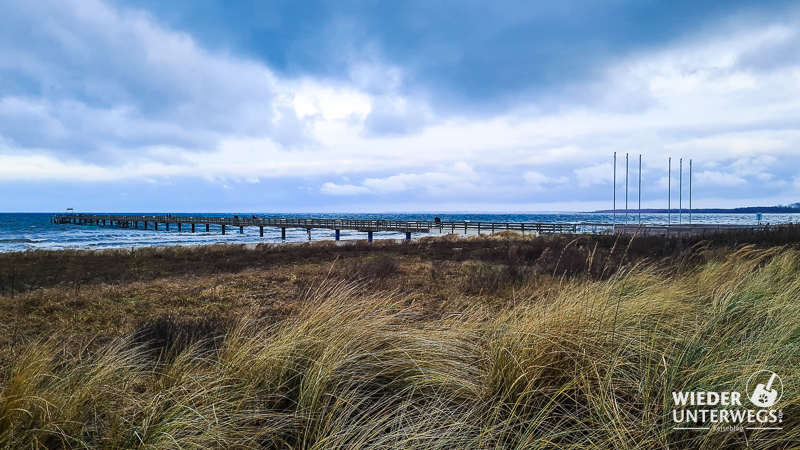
x=32 y=231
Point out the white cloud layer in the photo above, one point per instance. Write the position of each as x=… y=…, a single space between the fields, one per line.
x=117 y=95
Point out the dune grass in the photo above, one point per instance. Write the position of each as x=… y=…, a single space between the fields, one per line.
x=380 y=351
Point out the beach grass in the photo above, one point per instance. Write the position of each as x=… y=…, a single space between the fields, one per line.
x=498 y=342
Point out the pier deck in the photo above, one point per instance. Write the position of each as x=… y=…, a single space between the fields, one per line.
x=386 y=225
x=366 y=226
x=684 y=229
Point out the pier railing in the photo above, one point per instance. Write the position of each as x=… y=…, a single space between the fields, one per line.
x=363 y=225
x=408 y=227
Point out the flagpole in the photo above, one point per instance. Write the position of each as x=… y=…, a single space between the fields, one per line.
x=669 y=191
x=626 y=188
x=640 y=188
x=690 y=191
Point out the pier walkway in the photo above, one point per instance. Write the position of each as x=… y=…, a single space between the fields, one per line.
x=684 y=229
x=366 y=226
x=187 y=223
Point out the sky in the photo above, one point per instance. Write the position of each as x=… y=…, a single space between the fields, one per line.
x=378 y=106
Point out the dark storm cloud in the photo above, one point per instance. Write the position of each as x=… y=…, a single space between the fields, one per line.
x=463 y=53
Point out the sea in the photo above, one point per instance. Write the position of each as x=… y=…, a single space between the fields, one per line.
x=33 y=231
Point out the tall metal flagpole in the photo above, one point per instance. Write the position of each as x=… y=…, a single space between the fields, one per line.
x=626 y=188
x=640 y=188
x=690 y=191
x=669 y=191
x=615 y=189
x=680 y=193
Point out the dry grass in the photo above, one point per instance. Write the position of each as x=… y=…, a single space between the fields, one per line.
x=413 y=346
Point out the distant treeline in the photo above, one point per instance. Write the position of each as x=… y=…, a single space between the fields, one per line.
x=780 y=209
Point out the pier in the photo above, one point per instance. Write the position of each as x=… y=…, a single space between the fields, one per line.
x=190 y=224
x=682 y=229
x=369 y=227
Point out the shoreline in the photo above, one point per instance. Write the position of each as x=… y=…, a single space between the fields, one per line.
x=251 y=245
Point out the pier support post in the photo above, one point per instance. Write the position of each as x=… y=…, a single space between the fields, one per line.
x=408 y=236
x=261 y=231
x=192 y=228
x=166 y=225
x=338 y=233
x=369 y=236
x=155 y=226
x=283 y=233
x=241 y=230
x=179 y=227
x=145 y=225
x=208 y=228
x=223 y=228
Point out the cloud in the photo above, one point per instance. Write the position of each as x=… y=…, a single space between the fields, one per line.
x=454 y=179
x=753 y=166
x=343 y=189
x=396 y=116
x=103 y=82
x=719 y=179
x=599 y=174
x=459 y=176
x=778 y=49
x=537 y=179
x=93 y=88
x=311 y=98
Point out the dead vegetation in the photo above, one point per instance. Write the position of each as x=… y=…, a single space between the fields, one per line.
x=490 y=342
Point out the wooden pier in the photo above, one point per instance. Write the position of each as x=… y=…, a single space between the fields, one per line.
x=365 y=226
x=684 y=229
x=190 y=224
